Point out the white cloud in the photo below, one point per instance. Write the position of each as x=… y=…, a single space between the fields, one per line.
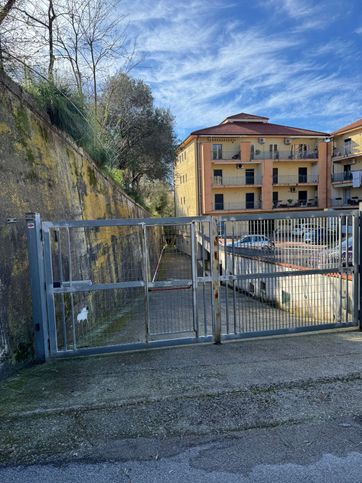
x=205 y=69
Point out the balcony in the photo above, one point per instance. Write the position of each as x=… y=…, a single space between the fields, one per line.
x=348 y=178
x=295 y=180
x=284 y=155
x=257 y=155
x=251 y=205
x=247 y=180
x=311 y=203
x=345 y=153
x=227 y=155
x=339 y=202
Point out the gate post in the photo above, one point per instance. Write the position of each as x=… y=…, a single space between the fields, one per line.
x=37 y=281
x=215 y=275
x=359 y=245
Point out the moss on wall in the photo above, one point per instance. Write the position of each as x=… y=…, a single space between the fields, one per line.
x=42 y=170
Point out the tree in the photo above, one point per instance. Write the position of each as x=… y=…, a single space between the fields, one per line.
x=4 y=11
x=143 y=137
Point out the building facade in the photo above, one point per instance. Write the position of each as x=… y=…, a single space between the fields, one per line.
x=346 y=166
x=246 y=164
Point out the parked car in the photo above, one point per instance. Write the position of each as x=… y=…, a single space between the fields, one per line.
x=302 y=228
x=252 y=241
x=342 y=253
x=318 y=236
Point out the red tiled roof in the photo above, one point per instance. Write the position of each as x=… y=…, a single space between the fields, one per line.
x=255 y=129
x=354 y=125
x=244 y=115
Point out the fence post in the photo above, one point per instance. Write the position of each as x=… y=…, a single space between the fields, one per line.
x=37 y=281
x=215 y=275
x=359 y=238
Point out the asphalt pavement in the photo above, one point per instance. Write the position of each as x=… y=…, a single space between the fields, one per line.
x=285 y=409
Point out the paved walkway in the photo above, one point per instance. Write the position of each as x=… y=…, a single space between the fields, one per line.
x=94 y=407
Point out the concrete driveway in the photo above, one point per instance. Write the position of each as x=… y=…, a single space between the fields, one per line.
x=277 y=409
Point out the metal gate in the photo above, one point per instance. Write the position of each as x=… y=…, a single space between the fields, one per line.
x=109 y=285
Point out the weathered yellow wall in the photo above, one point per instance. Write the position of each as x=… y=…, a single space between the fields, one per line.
x=41 y=170
x=186 y=182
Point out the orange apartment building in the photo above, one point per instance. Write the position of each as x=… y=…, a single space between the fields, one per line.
x=247 y=164
x=346 y=166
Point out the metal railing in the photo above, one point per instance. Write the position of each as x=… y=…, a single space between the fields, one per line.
x=345 y=152
x=237 y=180
x=251 y=205
x=310 y=203
x=340 y=202
x=263 y=154
x=296 y=179
x=226 y=155
x=345 y=176
x=283 y=155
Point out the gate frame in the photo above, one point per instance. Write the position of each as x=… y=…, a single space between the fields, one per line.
x=43 y=289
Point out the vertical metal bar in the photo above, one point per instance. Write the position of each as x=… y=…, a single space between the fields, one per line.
x=48 y=269
x=360 y=267
x=146 y=280
x=203 y=249
x=70 y=261
x=340 y=267
x=61 y=277
x=194 y=279
x=233 y=272
x=226 y=282
x=215 y=275
x=36 y=264
x=355 y=261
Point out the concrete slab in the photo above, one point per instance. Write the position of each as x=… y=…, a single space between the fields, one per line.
x=68 y=408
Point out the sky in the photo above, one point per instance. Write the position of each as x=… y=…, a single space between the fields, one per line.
x=298 y=62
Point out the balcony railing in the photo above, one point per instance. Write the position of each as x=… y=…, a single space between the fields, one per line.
x=284 y=155
x=296 y=179
x=348 y=176
x=340 y=202
x=226 y=155
x=236 y=180
x=261 y=155
x=249 y=205
x=313 y=202
x=346 y=152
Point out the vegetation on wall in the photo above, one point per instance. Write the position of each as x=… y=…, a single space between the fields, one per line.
x=62 y=52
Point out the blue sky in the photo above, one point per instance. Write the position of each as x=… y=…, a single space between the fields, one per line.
x=298 y=62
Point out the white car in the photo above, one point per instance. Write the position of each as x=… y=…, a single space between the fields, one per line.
x=339 y=254
x=252 y=241
x=303 y=228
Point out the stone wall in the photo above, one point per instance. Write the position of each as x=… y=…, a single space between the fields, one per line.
x=42 y=170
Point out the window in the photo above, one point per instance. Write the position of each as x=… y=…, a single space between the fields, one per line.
x=302 y=175
x=302 y=151
x=275 y=199
x=249 y=201
x=273 y=150
x=302 y=198
x=262 y=285
x=218 y=176
x=219 y=201
x=252 y=152
x=217 y=151
x=275 y=175
x=347 y=146
x=249 y=176
x=347 y=173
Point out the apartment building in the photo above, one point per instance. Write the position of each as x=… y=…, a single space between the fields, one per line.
x=247 y=164
x=346 y=169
